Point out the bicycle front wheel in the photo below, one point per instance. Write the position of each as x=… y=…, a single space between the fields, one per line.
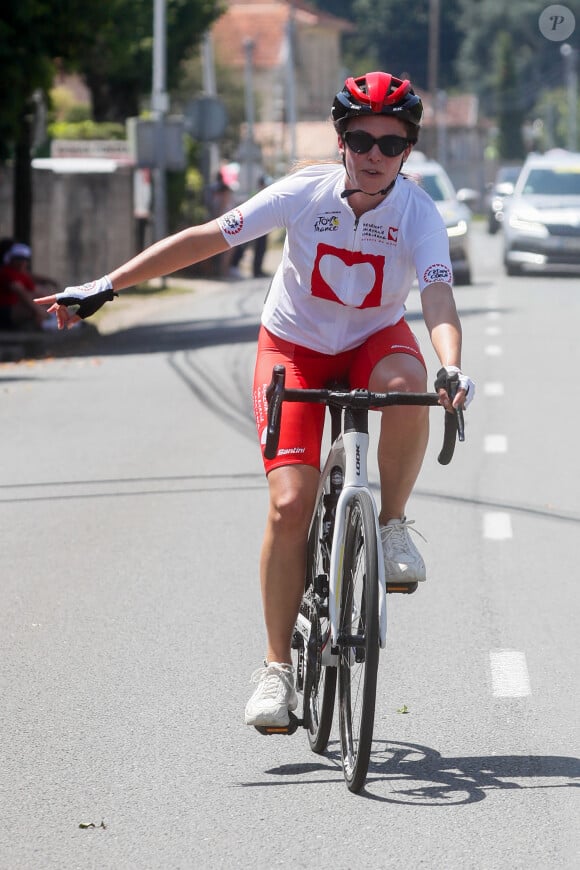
x=358 y=640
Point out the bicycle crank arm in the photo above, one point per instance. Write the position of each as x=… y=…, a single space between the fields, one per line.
x=290 y=728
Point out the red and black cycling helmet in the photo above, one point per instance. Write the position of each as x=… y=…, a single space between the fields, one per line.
x=376 y=93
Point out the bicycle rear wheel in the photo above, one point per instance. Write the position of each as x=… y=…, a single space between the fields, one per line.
x=319 y=695
x=358 y=641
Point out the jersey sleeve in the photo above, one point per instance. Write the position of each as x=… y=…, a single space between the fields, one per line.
x=256 y=216
x=432 y=259
x=431 y=255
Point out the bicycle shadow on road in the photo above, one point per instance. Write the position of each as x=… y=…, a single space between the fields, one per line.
x=172 y=336
x=420 y=776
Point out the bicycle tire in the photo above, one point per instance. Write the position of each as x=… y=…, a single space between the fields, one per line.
x=321 y=712
x=320 y=686
x=358 y=640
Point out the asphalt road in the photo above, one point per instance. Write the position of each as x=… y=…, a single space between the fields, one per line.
x=131 y=512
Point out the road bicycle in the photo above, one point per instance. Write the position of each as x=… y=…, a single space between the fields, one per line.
x=342 y=623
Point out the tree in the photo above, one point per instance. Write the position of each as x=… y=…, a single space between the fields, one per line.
x=31 y=35
x=117 y=58
x=340 y=8
x=537 y=64
x=510 y=112
x=109 y=41
x=28 y=42
x=393 y=37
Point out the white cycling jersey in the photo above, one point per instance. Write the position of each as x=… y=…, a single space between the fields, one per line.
x=341 y=278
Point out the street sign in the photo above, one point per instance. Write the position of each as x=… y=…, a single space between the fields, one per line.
x=205 y=119
x=141 y=136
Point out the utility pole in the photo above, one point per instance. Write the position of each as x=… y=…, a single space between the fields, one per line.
x=211 y=151
x=249 y=151
x=291 y=82
x=570 y=56
x=249 y=47
x=159 y=107
x=433 y=47
x=439 y=98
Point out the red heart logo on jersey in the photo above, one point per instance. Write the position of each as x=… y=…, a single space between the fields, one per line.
x=360 y=288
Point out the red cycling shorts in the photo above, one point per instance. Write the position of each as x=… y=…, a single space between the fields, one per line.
x=302 y=425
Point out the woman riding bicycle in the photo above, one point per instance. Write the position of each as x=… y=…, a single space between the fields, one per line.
x=358 y=234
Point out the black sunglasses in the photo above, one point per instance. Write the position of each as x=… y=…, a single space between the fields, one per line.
x=361 y=142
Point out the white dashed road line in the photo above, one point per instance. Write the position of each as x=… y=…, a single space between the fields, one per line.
x=492 y=389
x=495 y=444
x=497 y=526
x=509 y=673
x=509 y=670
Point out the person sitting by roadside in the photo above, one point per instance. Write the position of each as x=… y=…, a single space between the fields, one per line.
x=18 y=290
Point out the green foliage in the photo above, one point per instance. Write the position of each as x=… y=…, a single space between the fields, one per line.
x=117 y=58
x=108 y=41
x=490 y=48
x=26 y=28
x=86 y=130
x=510 y=114
x=551 y=127
x=537 y=61
x=395 y=37
x=340 y=8
x=78 y=112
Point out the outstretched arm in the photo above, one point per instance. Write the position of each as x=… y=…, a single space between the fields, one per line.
x=162 y=258
x=171 y=254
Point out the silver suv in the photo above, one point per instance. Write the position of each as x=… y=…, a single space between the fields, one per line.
x=452 y=206
x=541 y=227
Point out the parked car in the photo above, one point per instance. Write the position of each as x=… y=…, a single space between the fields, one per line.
x=542 y=218
x=452 y=206
x=502 y=187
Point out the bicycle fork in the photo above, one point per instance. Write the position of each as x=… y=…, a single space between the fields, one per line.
x=355 y=446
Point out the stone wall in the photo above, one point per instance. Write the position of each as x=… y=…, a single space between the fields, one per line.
x=83 y=224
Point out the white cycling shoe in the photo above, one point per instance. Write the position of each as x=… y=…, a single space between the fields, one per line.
x=403 y=561
x=274 y=696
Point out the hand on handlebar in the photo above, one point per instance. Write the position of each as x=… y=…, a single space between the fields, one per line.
x=456 y=390
x=77 y=303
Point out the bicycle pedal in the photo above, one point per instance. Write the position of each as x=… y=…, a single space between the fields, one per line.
x=403 y=588
x=290 y=728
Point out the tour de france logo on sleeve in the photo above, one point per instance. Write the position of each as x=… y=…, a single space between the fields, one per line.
x=232 y=222
x=438 y=272
x=365 y=278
